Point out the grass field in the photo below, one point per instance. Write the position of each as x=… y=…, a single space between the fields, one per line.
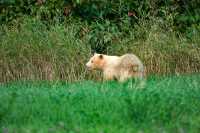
x=166 y=104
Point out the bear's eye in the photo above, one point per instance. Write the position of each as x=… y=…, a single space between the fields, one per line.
x=101 y=56
x=92 y=61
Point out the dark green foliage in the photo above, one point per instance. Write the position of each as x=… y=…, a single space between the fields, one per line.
x=167 y=104
x=184 y=13
x=50 y=10
x=101 y=36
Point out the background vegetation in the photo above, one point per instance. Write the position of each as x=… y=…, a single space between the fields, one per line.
x=53 y=39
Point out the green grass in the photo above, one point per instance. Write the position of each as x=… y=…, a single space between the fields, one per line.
x=170 y=104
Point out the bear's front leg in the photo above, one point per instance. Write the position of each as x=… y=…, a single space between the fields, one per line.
x=108 y=75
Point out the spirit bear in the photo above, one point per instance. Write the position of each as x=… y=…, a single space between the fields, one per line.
x=117 y=67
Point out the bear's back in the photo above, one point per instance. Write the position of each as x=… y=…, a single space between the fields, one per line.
x=130 y=59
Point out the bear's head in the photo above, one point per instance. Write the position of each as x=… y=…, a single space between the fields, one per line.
x=96 y=62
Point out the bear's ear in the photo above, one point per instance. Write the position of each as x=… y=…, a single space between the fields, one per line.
x=101 y=56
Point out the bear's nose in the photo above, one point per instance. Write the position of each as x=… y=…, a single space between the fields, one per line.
x=87 y=65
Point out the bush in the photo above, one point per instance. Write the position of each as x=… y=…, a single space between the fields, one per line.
x=181 y=13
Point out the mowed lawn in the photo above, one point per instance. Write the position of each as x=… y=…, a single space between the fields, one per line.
x=166 y=104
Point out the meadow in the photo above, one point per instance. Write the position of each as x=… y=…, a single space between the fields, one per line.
x=165 y=104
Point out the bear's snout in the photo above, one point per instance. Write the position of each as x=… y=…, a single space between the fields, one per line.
x=88 y=66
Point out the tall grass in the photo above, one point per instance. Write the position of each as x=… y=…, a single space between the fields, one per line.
x=168 y=104
x=31 y=50
x=162 y=49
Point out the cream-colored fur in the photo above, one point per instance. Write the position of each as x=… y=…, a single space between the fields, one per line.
x=118 y=67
